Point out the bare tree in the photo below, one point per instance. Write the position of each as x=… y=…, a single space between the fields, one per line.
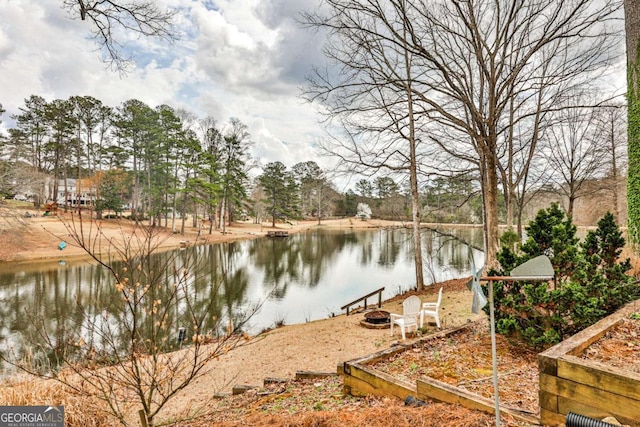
x=488 y=61
x=475 y=71
x=614 y=119
x=524 y=123
x=372 y=98
x=148 y=334
x=577 y=151
x=109 y=17
x=258 y=205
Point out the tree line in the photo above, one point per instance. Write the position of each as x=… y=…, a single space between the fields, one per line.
x=161 y=163
x=165 y=164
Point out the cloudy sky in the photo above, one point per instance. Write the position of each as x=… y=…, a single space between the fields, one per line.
x=246 y=59
x=235 y=58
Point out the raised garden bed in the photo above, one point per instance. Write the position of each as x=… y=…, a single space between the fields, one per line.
x=595 y=373
x=619 y=347
x=452 y=366
x=589 y=374
x=463 y=360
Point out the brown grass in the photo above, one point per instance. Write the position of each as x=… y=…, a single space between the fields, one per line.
x=251 y=409
x=393 y=415
x=320 y=402
x=79 y=411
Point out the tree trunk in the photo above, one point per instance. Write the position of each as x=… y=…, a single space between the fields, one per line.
x=632 y=27
x=194 y=218
x=614 y=171
x=490 y=190
x=509 y=202
x=413 y=180
x=223 y=216
x=319 y=213
x=572 y=202
x=417 y=235
x=183 y=208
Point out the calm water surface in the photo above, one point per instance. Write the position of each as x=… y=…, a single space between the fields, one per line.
x=301 y=278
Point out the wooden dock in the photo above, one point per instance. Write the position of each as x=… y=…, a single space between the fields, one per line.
x=278 y=233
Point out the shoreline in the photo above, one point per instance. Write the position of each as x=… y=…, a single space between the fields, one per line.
x=36 y=239
x=318 y=345
x=278 y=354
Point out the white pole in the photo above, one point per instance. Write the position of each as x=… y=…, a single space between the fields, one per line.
x=494 y=355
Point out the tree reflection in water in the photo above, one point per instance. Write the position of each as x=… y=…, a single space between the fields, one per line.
x=303 y=277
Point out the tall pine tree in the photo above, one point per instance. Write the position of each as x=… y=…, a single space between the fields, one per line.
x=281 y=192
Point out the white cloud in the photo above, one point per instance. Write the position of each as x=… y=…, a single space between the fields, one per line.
x=235 y=58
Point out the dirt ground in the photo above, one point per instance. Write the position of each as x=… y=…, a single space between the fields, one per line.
x=317 y=346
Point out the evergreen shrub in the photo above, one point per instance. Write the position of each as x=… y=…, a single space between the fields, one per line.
x=590 y=280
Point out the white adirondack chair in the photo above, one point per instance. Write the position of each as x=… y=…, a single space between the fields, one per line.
x=411 y=307
x=431 y=309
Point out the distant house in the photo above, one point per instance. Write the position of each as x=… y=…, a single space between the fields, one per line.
x=79 y=193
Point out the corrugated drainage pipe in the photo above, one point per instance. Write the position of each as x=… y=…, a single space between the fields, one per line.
x=576 y=420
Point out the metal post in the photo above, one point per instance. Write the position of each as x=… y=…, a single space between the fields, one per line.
x=538 y=268
x=494 y=355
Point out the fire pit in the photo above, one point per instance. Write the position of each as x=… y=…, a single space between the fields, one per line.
x=378 y=319
x=377 y=316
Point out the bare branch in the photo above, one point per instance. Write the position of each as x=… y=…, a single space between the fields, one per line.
x=108 y=18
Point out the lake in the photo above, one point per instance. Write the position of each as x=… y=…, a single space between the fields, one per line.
x=301 y=278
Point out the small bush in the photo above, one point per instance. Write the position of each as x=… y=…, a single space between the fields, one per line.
x=590 y=282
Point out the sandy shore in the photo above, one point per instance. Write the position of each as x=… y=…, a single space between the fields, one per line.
x=36 y=238
x=316 y=346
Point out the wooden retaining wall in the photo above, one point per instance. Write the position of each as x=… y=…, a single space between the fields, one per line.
x=361 y=380
x=569 y=383
x=443 y=392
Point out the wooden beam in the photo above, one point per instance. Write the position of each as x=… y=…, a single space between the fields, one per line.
x=364 y=298
x=305 y=375
x=429 y=388
x=602 y=401
x=599 y=375
x=362 y=380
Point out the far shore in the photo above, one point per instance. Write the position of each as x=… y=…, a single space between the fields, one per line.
x=35 y=239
